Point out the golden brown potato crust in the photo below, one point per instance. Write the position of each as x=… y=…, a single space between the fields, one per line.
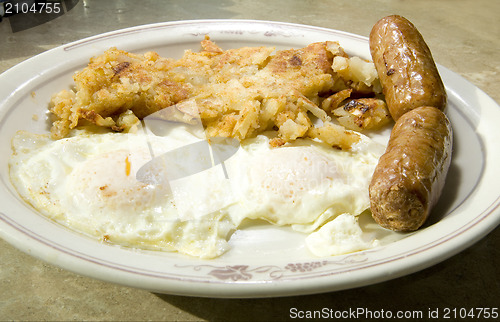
x=234 y=93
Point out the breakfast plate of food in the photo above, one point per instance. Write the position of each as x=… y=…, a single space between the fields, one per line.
x=242 y=158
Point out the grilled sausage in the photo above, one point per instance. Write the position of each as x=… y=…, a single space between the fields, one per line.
x=405 y=66
x=410 y=175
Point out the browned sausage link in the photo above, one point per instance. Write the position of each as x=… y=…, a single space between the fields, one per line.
x=405 y=66
x=410 y=175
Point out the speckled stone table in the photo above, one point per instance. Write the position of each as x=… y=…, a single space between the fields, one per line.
x=464 y=36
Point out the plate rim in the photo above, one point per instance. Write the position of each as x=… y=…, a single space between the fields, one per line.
x=259 y=289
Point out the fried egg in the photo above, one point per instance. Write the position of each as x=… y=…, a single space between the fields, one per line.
x=89 y=182
x=340 y=236
x=296 y=184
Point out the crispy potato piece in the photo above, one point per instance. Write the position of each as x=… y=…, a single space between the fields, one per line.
x=363 y=114
x=333 y=101
x=334 y=135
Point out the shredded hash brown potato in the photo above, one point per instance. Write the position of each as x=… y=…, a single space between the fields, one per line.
x=363 y=114
x=235 y=93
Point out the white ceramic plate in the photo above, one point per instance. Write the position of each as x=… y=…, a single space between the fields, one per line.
x=264 y=261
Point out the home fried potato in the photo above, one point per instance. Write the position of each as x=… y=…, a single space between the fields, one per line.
x=235 y=93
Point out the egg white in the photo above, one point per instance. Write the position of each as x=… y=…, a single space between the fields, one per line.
x=296 y=184
x=88 y=183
